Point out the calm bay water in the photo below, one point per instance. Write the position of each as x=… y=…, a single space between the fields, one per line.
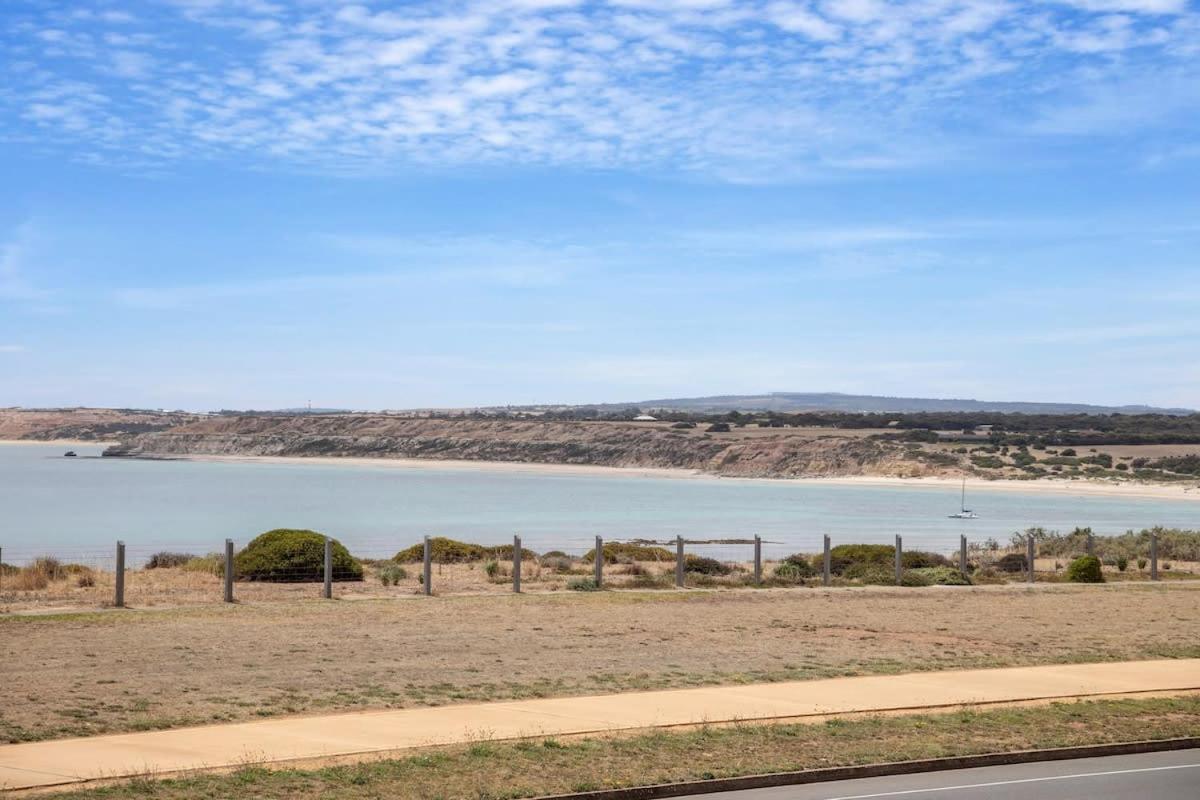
x=51 y=504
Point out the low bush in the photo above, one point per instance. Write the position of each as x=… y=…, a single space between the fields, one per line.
x=919 y=559
x=791 y=572
x=705 y=566
x=1012 y=562
x=628 y=551
x=846 y=555
x=86 y=579
x=943 y=576
x=285 y=555
x=915 y=577
x=492 y=568
x=798 y=566
x=49 y=566
x=1085 y=569
x=1141 y=562
x=504 y=552
x=392 y=574
x=1122 y=564
x=8 y=569
x=558 y=564
x=444 y=551
x=583 y=585
x=870 y=574
x=167 y=559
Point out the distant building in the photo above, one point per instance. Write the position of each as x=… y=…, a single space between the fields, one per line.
x=645 y=418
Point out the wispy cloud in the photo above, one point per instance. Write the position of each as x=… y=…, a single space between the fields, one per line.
x=12 y=348
x=745 y=90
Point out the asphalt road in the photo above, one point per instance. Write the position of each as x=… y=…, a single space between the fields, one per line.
x=1153 y=776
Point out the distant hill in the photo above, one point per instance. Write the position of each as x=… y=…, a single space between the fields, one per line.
x=859 y=403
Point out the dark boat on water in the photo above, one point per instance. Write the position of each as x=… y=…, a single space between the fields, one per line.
x=69 y=454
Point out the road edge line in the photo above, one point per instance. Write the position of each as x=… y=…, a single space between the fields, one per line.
x=802 y=777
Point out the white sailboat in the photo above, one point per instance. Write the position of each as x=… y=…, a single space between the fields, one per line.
x=964 y=512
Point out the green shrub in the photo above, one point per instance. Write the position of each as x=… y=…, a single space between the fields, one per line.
x=871 y=574
x=705 y=566
x=166 y=560
x=628 y=551
x=285 y=555
x=444 y=551
x=919 y=559
x=504 y=552
x=583 y=585
x=914 y=577
x=792 y=572
x=802 y=566
x=943 y=576
x=1012 y=562
x=492 y=568
x=392 y=574
x=1141 y=562
x=845 y=555
x=1122 y=564
x=1085 y=569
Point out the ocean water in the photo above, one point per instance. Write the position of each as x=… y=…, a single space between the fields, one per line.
x=80 y=506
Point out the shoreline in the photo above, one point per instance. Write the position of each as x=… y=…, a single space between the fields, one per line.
x=1078 y=488
x=1040 y=486
x=60 y=442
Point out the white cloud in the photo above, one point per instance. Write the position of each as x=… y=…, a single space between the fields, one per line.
x=12 y=348
x=1132 y=6
x=750 y=91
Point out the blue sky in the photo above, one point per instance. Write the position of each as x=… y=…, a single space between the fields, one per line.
x=217 y=204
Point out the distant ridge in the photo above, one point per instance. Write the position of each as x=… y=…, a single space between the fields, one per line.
x=860 y=403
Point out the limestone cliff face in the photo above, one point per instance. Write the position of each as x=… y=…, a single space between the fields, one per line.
x=752 y=453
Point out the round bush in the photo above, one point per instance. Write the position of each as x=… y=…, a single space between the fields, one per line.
x=845 y=556
x=705 y=566
x=919 y=559
x=286 y=556
x=871 y=574
x=943 y=576
x=915 y=577
x=1013 y=562
x=615 y=552
x=1085 y=569
x=801 y=565
x=445 y=551
x=791 y=572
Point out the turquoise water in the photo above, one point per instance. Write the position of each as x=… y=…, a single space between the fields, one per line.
x=65 y=506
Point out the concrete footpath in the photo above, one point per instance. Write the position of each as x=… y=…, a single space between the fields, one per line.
x=66 y=761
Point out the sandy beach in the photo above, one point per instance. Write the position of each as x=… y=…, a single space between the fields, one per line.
x=1079 y=488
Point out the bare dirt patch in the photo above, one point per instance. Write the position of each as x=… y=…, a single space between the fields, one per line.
x=82 y=674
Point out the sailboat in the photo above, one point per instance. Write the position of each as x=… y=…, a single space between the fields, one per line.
x=964 y=512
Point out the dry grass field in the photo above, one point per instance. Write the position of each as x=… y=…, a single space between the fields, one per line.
x=81 y=674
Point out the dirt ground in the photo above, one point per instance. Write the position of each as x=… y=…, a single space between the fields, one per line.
x=82 y=674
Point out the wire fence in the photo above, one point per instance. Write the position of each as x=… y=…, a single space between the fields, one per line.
x=140 y=575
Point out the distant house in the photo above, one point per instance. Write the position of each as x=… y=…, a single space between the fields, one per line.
x=645 y=418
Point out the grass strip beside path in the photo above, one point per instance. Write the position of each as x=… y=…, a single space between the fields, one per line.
x=497 y=770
